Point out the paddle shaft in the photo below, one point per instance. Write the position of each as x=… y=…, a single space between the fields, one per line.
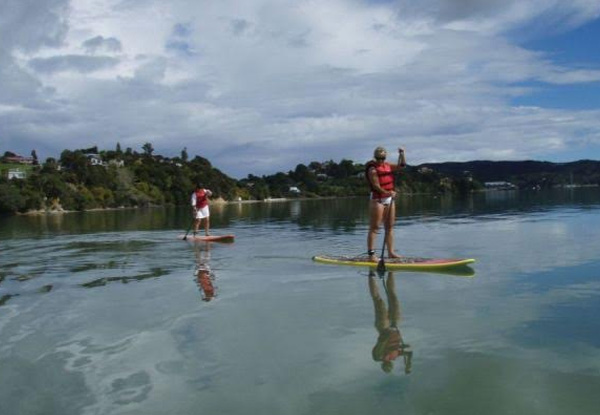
x=190 y=227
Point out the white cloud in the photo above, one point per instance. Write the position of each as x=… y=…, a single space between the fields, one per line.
x=264 y=85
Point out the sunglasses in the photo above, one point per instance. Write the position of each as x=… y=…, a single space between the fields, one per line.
x=380 y=158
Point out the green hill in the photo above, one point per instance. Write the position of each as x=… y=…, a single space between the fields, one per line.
x=91 y=178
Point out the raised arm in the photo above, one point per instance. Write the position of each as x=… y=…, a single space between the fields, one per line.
x=401 y=160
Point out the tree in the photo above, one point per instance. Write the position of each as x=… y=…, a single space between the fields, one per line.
x=118 y=149
x=50 y=165
x=305 y=176
x=346 y=168
x=184 y=154
x=301 y=172
x=35 y=157
x=11 y=199
x=91 y=150
x=148 y=149
x=315 y=166
x=74 y=160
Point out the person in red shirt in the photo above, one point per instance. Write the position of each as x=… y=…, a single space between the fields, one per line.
x=380 y=176
x=200 y=209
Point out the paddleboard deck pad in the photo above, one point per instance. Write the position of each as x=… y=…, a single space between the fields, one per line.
x=211 y=238
x=403 y=263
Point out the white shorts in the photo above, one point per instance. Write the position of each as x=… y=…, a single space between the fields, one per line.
x=202 y=213
x=384 y=201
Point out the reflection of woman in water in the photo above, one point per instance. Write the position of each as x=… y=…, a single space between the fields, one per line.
x=203 y=274
x=390 y=344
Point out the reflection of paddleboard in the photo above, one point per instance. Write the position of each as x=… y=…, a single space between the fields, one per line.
x=211 y=238
x=404 y=263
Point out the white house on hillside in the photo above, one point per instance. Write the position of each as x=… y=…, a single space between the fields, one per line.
x=94 y=159
x=16 y=174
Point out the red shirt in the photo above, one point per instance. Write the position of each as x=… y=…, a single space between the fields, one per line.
x=201 y=197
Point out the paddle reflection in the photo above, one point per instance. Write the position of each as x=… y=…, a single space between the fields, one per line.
x=203 y=275
x=390 y=344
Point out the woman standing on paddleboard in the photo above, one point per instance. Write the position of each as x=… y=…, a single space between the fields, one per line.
x=380 y=176
x=200 y=208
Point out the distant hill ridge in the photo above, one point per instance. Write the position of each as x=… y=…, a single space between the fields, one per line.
x=581 y=171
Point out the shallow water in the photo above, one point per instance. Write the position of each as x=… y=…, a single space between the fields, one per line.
x=105 y=312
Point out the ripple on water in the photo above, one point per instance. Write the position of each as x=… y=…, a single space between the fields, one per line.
x=107 y=246
x=100 y=282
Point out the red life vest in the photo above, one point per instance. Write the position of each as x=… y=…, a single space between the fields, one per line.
x=385 y=176
x=201 y=198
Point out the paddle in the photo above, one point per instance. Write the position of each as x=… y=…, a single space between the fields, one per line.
x=189 y=229
x=381 y=264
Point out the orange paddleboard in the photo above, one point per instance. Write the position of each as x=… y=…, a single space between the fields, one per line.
x=211 y=238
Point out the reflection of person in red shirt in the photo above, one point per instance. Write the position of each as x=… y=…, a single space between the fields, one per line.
x=204 y=279
x=203 y=274
x=390 y=344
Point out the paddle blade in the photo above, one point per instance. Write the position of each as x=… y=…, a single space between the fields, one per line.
x=381 y=267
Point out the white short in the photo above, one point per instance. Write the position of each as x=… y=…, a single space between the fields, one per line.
x=385 y=201
x=202 y=213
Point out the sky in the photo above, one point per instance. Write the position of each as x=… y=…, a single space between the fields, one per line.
x=259 y=86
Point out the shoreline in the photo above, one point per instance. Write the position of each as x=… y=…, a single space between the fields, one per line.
x=217 y=202
x=222 y=202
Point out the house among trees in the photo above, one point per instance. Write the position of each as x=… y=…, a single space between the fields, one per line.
x=117 y=163
x=19 y=159
x=16 y=174
x=15 y=166
x=94 y=159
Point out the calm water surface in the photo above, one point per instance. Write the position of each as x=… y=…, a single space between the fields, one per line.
x=108 y=313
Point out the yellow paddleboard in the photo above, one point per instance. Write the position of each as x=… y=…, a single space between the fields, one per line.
x=403 y=263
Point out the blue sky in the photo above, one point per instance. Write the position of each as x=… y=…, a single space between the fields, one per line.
x=579 y=47
x=261 y=86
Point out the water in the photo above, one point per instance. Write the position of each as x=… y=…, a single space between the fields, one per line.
x=104 y=312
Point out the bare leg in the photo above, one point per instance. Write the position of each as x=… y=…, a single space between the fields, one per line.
x=376 y=210
x=196 y=225
x=392 y=299
x=389 y=226
x=207 y=226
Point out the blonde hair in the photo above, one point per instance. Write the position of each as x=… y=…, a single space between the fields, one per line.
x=378 y=152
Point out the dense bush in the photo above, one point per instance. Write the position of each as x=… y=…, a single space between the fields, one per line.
x=74 y=183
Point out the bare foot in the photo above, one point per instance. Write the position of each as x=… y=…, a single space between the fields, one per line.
x=373 y=258
x=394 y=255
